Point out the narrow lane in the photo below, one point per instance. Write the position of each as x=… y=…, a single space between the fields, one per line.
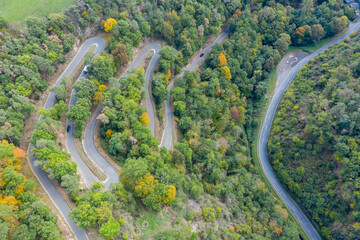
x=265 y=130
x=90 y=149
x=49 y=187
x=167 y=138
x=88 y=141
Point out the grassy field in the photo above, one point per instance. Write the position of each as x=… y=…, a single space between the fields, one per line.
x=18 y=10
x=152 y=223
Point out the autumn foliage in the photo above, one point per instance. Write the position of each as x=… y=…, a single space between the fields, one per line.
x=168 y=75
x=120 y=54
x=99 y=96
x=237 y=13
x=109 y=24
x=146 y=185
x=226 y=72
x=108 y=133
x=222 y=59
x=17 y=199
x=224 y=69
x=171 y=194
x=275 y=227
x=145 y=119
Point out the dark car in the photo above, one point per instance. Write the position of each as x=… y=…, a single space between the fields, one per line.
x=201 y=55
x=68 y=128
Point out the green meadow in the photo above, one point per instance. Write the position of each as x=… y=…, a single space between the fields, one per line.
x=18 y=10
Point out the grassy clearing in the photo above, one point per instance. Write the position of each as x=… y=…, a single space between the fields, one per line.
x=18 y=10
x=310 y=48
x=153 y=223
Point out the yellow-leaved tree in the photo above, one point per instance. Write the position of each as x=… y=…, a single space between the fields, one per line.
x=98 y=95
x=222 y=59
x=171 y=194
x=146 y=185
x=226 y=72
x=168 y=75
x=145 y=119
x=109 y=24
x=108 y=133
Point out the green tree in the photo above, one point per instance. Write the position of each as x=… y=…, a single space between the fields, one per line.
x=317 y=32
x=340 y=24
x=101 y=67
x=110 y=229
x=70 y=183
x=85 y=88
x=55 y=112
x=160 y=94
x=84 y=215
x=60 y=92
x=282 y=44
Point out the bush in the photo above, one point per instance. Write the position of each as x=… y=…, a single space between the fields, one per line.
x=209 y=214
x=78 y=132
x=191 y=215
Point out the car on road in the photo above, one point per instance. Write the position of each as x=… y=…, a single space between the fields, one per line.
x=68 y=129
x=201 y=55
x=86 y=69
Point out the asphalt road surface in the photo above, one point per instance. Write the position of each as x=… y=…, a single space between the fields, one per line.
x=110 y=171
x=167 y=138
x=49 y=187
x=264 y=134
x=88 y=142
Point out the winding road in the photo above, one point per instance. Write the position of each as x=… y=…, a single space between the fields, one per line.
x=47 y=184
x=265 y=130
x=88 y=142
x=167 y=138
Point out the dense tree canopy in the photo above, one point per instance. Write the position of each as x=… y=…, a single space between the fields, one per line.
x=22 y=214
x=215 y=110
x=314 y=143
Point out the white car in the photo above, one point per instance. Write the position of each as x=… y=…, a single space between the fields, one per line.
x=86 y=69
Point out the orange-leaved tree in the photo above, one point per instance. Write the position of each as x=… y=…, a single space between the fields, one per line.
x=120 y=54
x=108 y=133
x=109 y=24
x=237 y=13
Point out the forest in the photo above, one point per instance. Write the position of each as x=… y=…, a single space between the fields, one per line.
x=211 y=167
x=314 y=143
x=23 y=215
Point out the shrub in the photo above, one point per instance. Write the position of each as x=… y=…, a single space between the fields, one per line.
x=191 y=215
x=209 y=214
